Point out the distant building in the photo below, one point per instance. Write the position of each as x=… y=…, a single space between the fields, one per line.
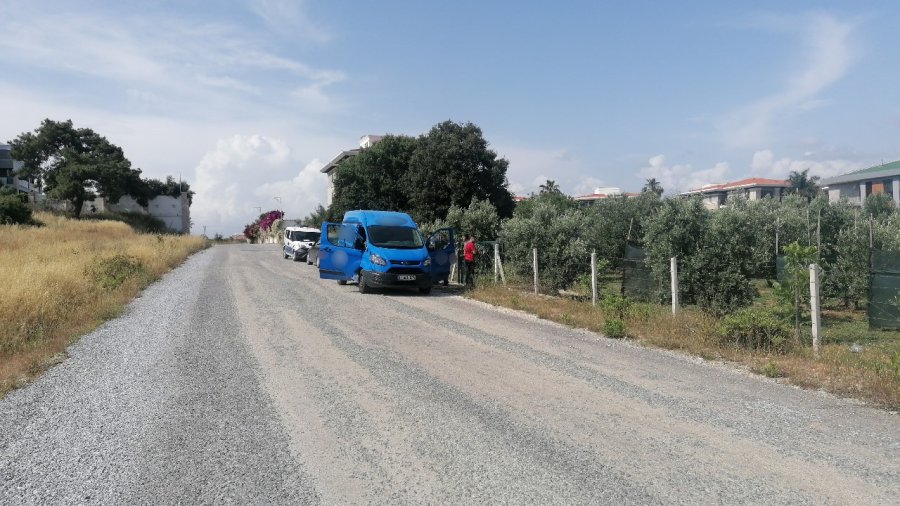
x=716 y=195
x=856 y=186
x=365 y=142
x=8 y=170
x=603 y=192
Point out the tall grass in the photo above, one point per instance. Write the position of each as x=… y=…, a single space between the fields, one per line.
x=65 y=278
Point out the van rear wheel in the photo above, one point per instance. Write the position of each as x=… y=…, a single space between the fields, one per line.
x=424 y=290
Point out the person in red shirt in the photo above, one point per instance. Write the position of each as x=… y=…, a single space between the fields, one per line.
x=469 y=252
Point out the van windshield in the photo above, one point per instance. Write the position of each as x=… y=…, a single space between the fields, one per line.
x=298 y=235
x=395 y=237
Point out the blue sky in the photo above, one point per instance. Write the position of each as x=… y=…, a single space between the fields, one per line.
x=247 y=99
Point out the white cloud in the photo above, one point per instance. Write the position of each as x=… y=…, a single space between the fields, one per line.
x=587 y=186
x=828 y=58
x=198 y=68
x=682 y=177
x=244 y=172
x=529 y=166
x=765 y=164
x=289 y=18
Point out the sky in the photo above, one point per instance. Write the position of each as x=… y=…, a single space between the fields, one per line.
x=247 y=99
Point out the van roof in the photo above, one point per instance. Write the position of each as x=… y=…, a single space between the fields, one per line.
x=389 y=218
x=301 y=229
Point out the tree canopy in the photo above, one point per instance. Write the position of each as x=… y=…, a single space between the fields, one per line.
x=75 y=164
x=804 y=185
x=449 y=166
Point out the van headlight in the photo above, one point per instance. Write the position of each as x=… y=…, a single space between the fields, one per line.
x=377 y=260
x=426 y=262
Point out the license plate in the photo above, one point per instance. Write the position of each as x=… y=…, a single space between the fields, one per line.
x=406 y=277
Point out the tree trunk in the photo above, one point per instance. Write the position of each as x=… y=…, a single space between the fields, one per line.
x=79 y=203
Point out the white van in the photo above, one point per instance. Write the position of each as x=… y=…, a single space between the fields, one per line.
x=297 y=241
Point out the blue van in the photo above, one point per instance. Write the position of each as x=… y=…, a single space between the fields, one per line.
x=384 y=249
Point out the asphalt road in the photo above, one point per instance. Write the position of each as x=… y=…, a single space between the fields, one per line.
x=243 y=378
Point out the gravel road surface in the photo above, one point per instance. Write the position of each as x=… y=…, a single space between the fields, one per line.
x=243 y=378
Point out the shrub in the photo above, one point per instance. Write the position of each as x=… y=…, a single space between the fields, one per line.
x=616 y=306
x=614 y=327
x=111 y=272
x=770 y=370
x=755 y=329
x=13 y=210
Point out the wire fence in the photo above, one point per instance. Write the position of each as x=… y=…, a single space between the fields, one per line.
x=632 y=276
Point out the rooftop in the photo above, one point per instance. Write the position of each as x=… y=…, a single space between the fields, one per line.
x=889 y=169
x=743 y=183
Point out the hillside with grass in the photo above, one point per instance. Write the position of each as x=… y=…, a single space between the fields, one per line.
x=65 y=277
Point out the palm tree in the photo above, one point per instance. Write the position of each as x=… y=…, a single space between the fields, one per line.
x=549 y=187
x=653 y=186
x=802 y=184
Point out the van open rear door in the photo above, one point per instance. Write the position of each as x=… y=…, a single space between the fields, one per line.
x=441 y=249
x=338 y=258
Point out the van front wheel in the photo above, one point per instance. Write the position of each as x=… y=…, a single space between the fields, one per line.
x=363 y=287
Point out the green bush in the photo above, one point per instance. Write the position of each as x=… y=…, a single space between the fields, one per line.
x=13 y=209
x=755 y=329
x=615 y=306
x=110 y=273
x=614 y=327
x=770 y=370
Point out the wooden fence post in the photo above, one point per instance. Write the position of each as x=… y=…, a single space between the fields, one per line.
x=534 y=251
x=594 y=278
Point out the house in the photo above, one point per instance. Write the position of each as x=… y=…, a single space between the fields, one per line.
x=754 y=188
x=365 y=142
x=603 y=192
x=856 y=186
x=8 y=170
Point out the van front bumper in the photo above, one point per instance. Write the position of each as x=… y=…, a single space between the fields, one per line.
x=390 y=279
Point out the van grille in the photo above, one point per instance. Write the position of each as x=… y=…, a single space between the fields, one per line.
x=404 y=262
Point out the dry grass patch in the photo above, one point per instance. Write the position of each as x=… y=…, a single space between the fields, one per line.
x=65 y=278
x=870 y=371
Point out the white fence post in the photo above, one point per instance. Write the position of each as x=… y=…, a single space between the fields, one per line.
x=594 y=278
x=496 y=261
x=814 y=306
x=534 y=251
x=673 y=262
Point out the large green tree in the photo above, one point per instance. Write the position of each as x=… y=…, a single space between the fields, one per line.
x=75 y=164
x=452 y=165
x=374 y=178
x=449 y=166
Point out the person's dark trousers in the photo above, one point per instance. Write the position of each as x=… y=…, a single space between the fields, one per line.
x=470 y=273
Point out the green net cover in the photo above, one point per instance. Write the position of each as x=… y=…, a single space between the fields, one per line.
x=884 y=290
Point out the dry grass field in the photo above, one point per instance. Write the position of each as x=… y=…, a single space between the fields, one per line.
x=868 y=371
x=63 y=279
